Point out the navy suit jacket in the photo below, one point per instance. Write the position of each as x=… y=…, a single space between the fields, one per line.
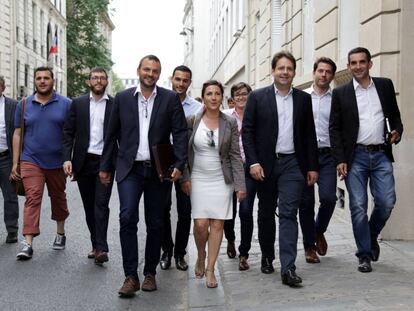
x=260 y=130
x=344 y=119
x=9 y=110
x=76 y=130
x=167 y=118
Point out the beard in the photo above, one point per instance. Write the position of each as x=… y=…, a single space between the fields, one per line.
x=45 y=92
x=98 y=91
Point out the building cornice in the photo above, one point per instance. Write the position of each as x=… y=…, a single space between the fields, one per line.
x=53 y=11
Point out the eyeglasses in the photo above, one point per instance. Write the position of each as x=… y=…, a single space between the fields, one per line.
x=210 y=135
x=145 y=106
x=240 y=95
x=98 y=78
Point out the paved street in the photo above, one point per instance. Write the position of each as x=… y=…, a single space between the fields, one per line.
x=67 y=280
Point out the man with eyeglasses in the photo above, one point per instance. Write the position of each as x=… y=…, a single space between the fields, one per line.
x=239 y=93
x=181 y=81
x=83 y=139
x=142 y=117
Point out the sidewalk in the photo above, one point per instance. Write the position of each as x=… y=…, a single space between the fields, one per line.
x=334 y=284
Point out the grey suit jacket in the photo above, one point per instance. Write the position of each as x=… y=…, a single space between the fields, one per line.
x=9 y=109
x=229 y=150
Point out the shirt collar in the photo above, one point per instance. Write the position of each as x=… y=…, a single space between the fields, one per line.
x=329 y=91
x=187 y=101
x=277 y=91
x=356 y=84
x=138 y=90
x=104 y=97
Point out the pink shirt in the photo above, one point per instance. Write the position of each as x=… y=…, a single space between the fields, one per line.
x=233 y=112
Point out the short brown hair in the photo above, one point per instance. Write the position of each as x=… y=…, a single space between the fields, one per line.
x=150 y=57
x=359 y=50
x=239 y=86
x=282 y=54
x=209 y=83
x=325 y=60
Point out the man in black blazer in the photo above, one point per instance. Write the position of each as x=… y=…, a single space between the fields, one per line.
x=142 y=117
x=83 y=139
x=364 y=123
x=11 y=205
x=279 y=142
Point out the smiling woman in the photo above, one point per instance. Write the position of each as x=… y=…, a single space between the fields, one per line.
x=140 y=30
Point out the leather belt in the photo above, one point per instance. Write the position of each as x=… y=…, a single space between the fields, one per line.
x=324 y=150
x=283 y=155
x=146 y=163
x=4 y=153
x=370 y=148
x=92 y=156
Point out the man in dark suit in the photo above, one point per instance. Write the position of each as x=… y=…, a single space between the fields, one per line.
x=83 y=140
x=142 y=117
x=279 y=142
x=11 y=205
x=365 y=121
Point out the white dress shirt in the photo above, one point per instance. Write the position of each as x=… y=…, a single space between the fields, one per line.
x=321 y=107
x=3 y=135
x=145 y=106
x=96 y=124
x=285 y=120
x=371 y=116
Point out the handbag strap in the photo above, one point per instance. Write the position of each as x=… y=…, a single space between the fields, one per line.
x=22 y=125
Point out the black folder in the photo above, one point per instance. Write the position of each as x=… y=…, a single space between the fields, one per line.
x=164 y=160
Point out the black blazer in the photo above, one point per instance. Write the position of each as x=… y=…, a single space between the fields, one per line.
x=9 y=109
x=344 y=119
x=76 y=130
x=167 y=118
x=260 y=130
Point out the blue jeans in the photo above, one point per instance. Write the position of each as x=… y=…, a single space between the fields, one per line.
x=246 y=216
x=327 y=199
x=377 y=168
x=141 y=180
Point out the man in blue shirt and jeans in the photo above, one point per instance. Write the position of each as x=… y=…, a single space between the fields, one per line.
x=41 y=159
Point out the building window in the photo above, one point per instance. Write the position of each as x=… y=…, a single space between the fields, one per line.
x=17 y=75
x=276 y=26
x=307 y=39
x=348 y=26
x=26 y=26
x=26 y=76
x=42 y=33
x=34 y=26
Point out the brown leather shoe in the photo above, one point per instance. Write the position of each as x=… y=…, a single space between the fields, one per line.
x=101 y=257
x=243 y=264
x=231 y=249
x=130 y=286
x=149 y=283
x=321 y=245
x=311 y=256
x=91 y=254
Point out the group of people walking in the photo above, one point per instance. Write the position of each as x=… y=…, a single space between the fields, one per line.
x=277 y=142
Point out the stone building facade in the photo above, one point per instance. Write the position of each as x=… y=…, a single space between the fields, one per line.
x=27 y=30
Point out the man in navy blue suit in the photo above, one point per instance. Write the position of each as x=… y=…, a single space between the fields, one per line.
x=142 y=117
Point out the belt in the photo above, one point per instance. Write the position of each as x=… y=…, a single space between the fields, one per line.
x=4 y=153
x=146 y=163
x=92 y=156
x=324 y=150
x=369 y=148
x=283 y=155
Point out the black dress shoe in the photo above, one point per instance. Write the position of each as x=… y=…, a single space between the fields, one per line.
x=291 y=279
x=375 y=250
x=11 y=237
x=165 y=261
x=231 y=249
x=364 y=265
x=267 y=266
x=181 y=264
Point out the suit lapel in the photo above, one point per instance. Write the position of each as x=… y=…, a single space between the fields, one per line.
x=222 y=130
x=381 y=95
x=352 y=101
x=108 y=105
x=7 y=111
x=86 y=114
x=296 y=102
x=155 y=108
x=271 y=99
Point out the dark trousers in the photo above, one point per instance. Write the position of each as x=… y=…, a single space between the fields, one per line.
x=229 y=223
x=11 y=205
x=327 y=199
x=95 y=198
x=246 y=216
x=183 y=224
x=284 y=187
x=141 y=180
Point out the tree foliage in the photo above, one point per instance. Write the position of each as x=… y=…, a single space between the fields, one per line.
x=86 y=46
x=117 y=84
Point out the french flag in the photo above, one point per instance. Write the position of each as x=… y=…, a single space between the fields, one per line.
x=54 y=46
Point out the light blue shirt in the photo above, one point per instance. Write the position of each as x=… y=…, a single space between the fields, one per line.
x=191 y=106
